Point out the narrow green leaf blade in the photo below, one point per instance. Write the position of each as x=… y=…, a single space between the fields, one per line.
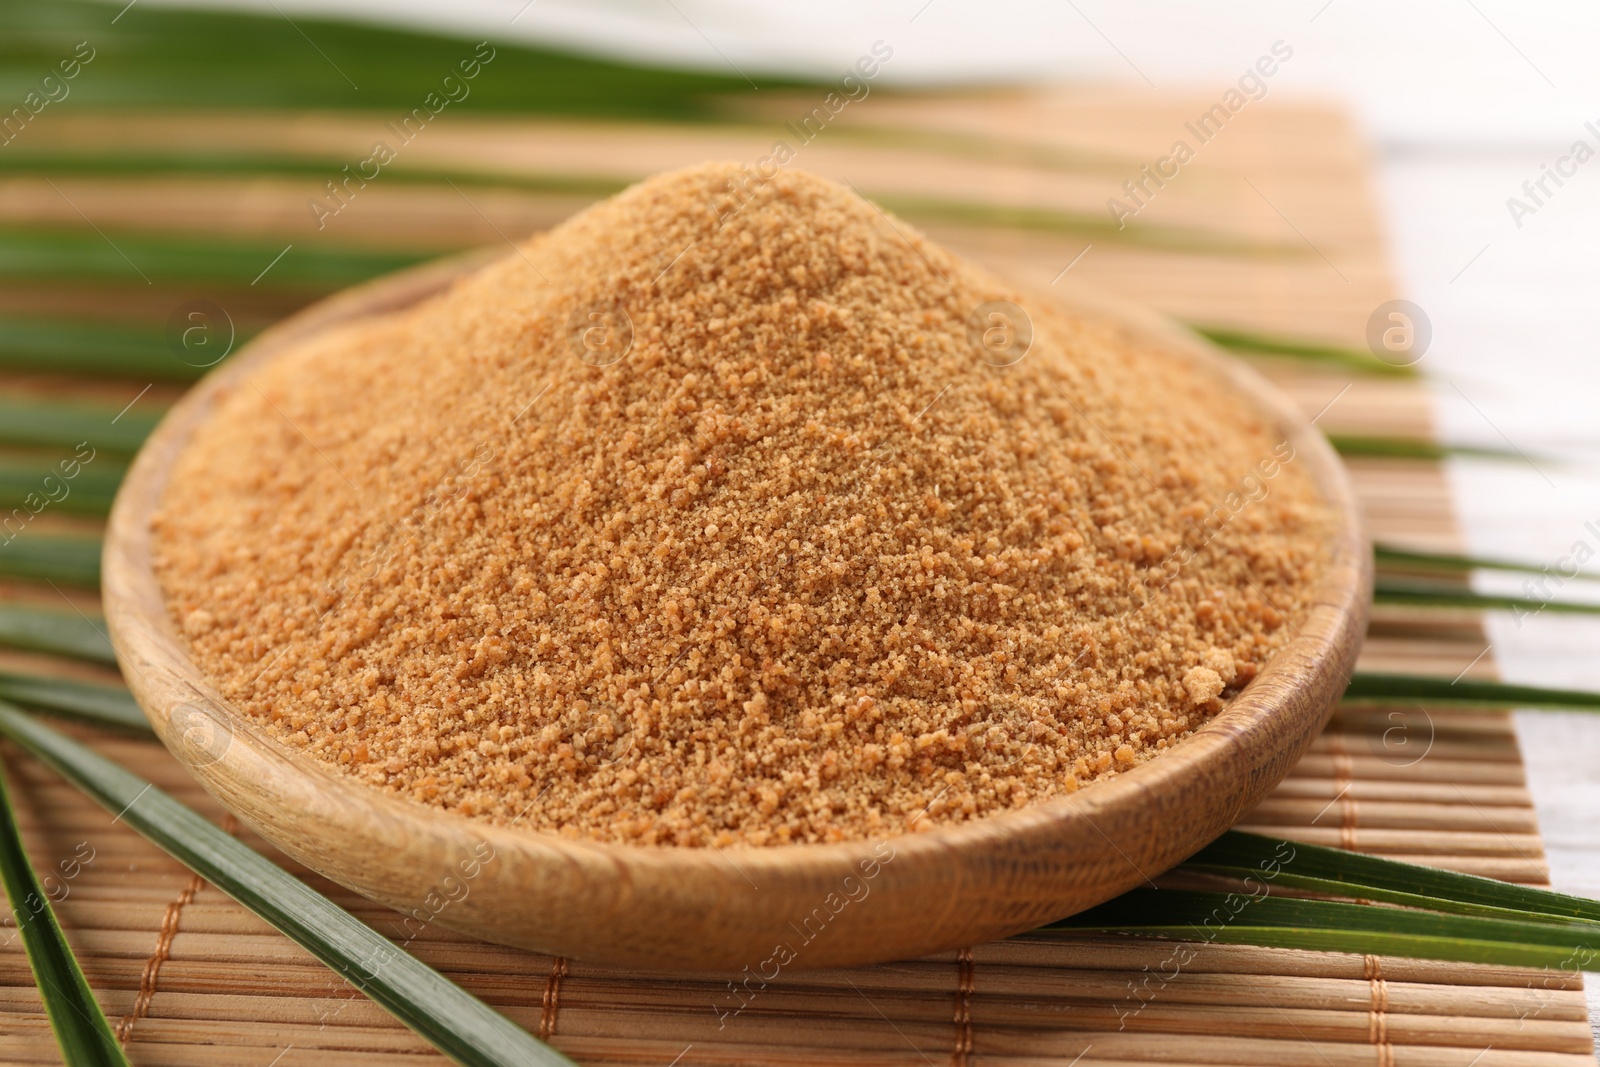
x=1424 y=594
x=1336 y=871
x=1282 y=922
x=456 y=1023
x=1386 y=447
x=80 y=1026
x=1394 y=555
x=1410 y=946
x=140 y=257
x=1294 y=348
x=1376 y=687
x=50 y=558
x=36 y=489
x=125 y=164
x=44 y=424
x=60 y=633
x=100 y=705
x=125 y=350
x=1050 y=220
x=162 y=58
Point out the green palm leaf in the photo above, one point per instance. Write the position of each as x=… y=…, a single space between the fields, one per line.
x=1396 y=556
x=452 y=1020
x=80 y=1026
x=1260 y=344
x=135 y=350
x=102 y=705
x=140 y=258
x=1386 y=590
x=1440 y=914
x=178 y=162
x=154 y=56
x=1331 y=926
x=36 y=489
x=43 y=424
x=1351 y=874
x=166 y=58
x=1101 y=227
x=1380 y=447
x=51 y=558
x=1382 y=688
x=60 y=633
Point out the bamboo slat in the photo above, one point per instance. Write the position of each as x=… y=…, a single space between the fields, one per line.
x=190 y=978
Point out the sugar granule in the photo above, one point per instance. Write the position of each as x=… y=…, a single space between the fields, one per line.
x=775 y=556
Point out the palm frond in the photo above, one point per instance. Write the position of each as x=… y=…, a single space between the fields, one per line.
x=138 y=258
x=135 y=350
x=1434 y=914
x=81 y=1030
x=170 y=263
x=69 y=560
x=188 y=162
x=59 y=633
x=1372 y=446
x=1260 y=344
x=167 y=58
x=924 y=210
x=45 y=424
x=101 y=705
x=1271 y=921
x=160 y=57
x=990 y=147
x=38 y=488
x=1383 y=688
x=451 y=1019
x=1388 y=590
x=1396 y=556
x=1336 y=872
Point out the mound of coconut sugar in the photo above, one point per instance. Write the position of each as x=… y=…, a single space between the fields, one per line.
x=734 y=511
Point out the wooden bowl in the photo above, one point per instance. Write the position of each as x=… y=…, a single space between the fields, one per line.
x=767 y=909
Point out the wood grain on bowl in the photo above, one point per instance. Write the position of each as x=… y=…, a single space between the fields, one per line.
x=796 y=906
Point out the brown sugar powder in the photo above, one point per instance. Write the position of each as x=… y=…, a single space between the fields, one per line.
x=719 y=514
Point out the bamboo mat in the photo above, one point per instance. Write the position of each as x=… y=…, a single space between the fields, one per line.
x=1291 y=244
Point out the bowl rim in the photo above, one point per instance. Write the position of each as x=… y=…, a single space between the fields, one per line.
x=163 y=677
